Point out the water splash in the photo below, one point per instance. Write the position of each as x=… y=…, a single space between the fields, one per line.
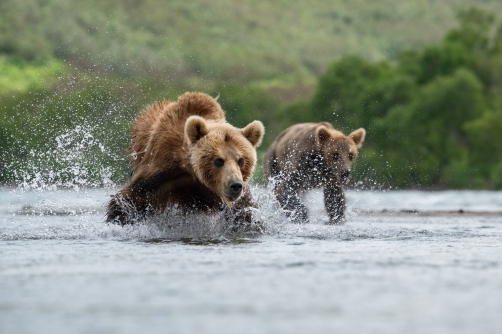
x=72 y=154
x=79 y=215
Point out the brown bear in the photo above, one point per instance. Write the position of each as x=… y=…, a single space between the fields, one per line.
x=312 y=155
x=185 y=155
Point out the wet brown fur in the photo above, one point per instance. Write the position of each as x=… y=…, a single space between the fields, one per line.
x=173 y=148
x=312 y=155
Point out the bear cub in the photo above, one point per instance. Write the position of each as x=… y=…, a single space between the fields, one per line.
x=312 y=155
x=185 y=155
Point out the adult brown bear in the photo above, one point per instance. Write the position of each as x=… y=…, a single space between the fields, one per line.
x=185 y=155
x=312 y=155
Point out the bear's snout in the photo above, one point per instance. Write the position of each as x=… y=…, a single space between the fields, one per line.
x=234 y=190
x=345 y=174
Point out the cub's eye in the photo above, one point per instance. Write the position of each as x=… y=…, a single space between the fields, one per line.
x=219 y=162
x=240 y=162
x=351 y=156
x=336 y=156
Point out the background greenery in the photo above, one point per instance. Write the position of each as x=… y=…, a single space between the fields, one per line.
x=423 y=77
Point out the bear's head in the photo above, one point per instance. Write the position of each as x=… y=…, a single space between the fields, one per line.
x=339 y=151
x=222 y=157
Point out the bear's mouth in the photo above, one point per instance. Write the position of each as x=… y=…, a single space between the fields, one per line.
x=228 y=202
x=230 y=198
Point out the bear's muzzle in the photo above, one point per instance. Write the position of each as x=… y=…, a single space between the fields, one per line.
x=234 y=190
x=345 y=175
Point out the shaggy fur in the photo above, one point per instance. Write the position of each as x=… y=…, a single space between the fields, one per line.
x=312 y=155
x=174 y=147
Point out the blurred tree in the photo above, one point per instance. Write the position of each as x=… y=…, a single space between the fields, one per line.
x=244 y=104
x=474 y=31
x=297 y=112
x=485 y=135
x=443 y=59
x=352 y=92
x=6 y=139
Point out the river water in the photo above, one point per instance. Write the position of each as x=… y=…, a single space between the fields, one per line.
x=62 y=270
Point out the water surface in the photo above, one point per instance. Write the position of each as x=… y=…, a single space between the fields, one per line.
x=62 y=270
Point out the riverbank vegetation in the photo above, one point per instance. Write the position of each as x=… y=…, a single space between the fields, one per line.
x=432 y=105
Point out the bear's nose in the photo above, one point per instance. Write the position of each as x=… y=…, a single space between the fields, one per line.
x=235 y=188
x=346 y=173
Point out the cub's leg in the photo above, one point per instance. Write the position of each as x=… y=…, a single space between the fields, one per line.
x=334 y=200
x=287 y=193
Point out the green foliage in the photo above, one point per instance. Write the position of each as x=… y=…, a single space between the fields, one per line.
x=485 y=135
x=450 y=101
x=496 y=176
x=18 y=75
x=353 y=91
x=443 y=60
x=244 y=104
x=221 y=39
x=54 y=138
x=6 y=144
x=427 y=132
x=69 y=90
x=474 y=30
x=433 y=118
x=297 y=112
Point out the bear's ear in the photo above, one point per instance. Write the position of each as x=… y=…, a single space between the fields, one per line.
x=195 y=129
x=358 y=136
x=322 y=134
x=254 y=132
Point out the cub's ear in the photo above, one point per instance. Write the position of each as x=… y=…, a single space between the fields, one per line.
x=254 y=132
x=195 y=129
x=358 y=136
x=321 y=134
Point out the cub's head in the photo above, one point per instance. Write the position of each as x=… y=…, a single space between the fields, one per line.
x=223 y=157
x=339 y=150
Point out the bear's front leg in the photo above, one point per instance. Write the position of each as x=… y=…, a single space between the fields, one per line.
x=334 y=200
x=124 y=208
x=134 y=202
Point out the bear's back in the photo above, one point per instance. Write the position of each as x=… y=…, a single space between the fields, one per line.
x=159 y=129
x=142 y=128
x=288 y=147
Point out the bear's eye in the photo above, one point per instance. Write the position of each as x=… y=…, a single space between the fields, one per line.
x=240 y=162
x=336 y=155
x=219 y=162
x=351 y=156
